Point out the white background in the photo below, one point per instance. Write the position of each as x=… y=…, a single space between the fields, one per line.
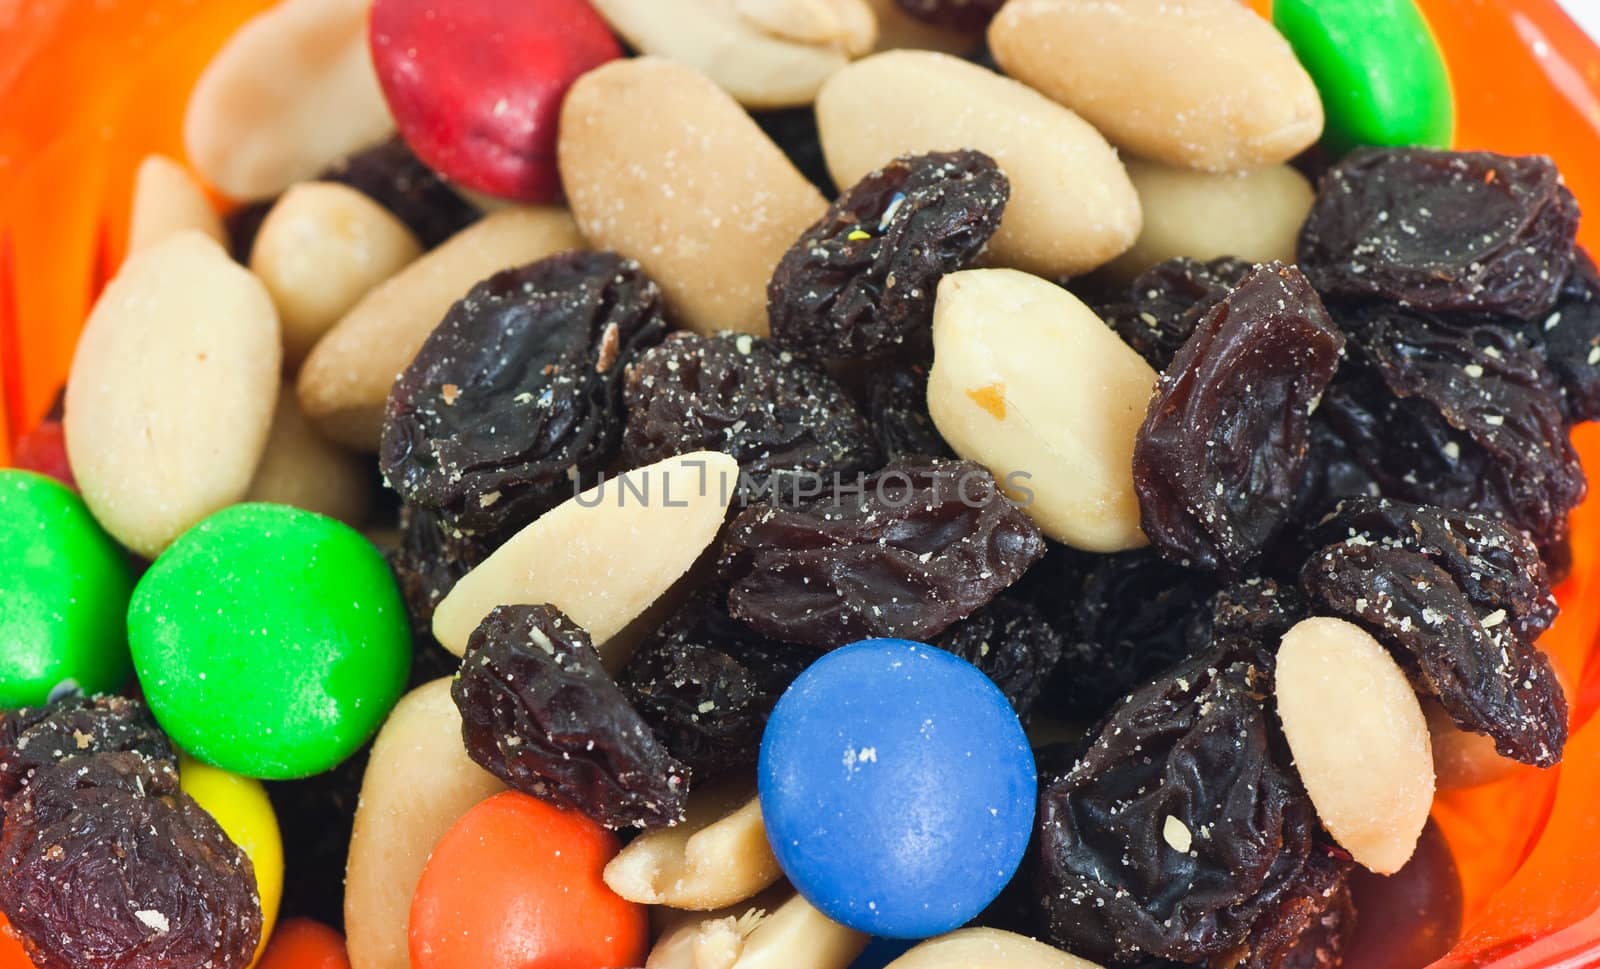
x=1586 y=13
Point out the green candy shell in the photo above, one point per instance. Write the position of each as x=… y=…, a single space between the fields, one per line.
x=270 y=641
x=64 y=587
x=1377 y=68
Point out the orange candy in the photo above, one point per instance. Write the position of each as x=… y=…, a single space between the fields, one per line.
x=515 y=884
x=303 y=944
x=12 y=955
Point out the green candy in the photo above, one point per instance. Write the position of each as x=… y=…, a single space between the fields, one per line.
x=64 y=587
x=270 y=642
x=1381 y=76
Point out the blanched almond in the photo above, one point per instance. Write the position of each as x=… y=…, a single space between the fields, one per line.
x=302 y=469
x=1028 y=382
x=982 y=948
x=172 y=391
x=1200 y=83
x=345 y=380
x=166 y=200
x=1072 y=207
x=603 y=556
x=794 y=935
x=662 y=166
x=718 y=856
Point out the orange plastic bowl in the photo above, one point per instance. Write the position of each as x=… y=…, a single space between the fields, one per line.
x=89 y=87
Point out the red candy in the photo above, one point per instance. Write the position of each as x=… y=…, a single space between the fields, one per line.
x=304 y=944
x=515 y=884
x=44 y=449
x=476 y=85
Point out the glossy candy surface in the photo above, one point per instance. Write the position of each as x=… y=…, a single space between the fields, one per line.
x=303 y=944
x=897 y=788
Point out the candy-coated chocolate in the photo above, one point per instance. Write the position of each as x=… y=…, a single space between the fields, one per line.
x=515 y=884
x=64 y=587
x=300 y=943
x=897 y=788
x=240 y=806
x=269 y=641
x=1377 y=68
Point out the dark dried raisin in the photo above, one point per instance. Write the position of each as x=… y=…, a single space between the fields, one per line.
x=897 y=410
x=430 y=559
x=33 y=738
x=1179 y=828
x=1221 y=457
x=967 y=16
x=539 y=712
x=1010 y=641
x=1487 y=678
x=1165 y=302
x=905 y=553
x=516 y=397
x=1308 y=927
x=1441 y=230
x=105 y=863
x=782 y=417
x=391 y=175
x=863 y=278
x=1568 y=338
x=705 y=684
x=1257 y=610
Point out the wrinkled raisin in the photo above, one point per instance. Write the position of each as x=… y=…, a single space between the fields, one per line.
x=897 y=410
x=1165 y=302
x=967 y=16
x=1308 y=927
x=1257 y=610
x=1179 y=827
x=33 y=738
x=1487 y=678
x=105 y=863
x=430 y=559
x=1568 y=338
x=705 y=684
x=904 y=554
x=391 y=175
x=516 y=397
x=539 y=712
x=863 y=278
x=782 y=417
x=1010 y=641
x=1441 y=230
x=1220 y=459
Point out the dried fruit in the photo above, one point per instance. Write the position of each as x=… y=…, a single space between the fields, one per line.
x=863 y=278
x=1166 y=301
x=1179 y=828
x=1568 y=339
x=1221 y=457
x=431 y=558
x=389 y=174
x=517 y=394
x=705 y=684
x=540 y=713
x=783 y=418
x=897 y=411
x=35 y=738
x=1257 y=610
x=107 y=864
x=1487 y=677
x=967 y=16
x=905 y=553
x=1010 y=641
x=1441 y=230
x=1308 y=927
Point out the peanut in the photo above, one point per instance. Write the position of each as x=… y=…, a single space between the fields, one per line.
x=717 y=857
x=794 y=935
x=981 y=948
x=302 y=469
x=167 y=200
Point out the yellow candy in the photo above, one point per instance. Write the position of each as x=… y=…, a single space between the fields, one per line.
x=240 y=806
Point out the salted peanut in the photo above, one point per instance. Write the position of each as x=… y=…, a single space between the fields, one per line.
x=346 y=378
x=1254 y=215
x=844 y=25
x=987 y=949
x=166 y=201
x=172 y=391
x=1359 y=739
x=1463 y=759
x=794 y=935
x=321 y=248
x=290 y=93
x=1072 y=206
x=898 y=29
x=301 y=468
x=418 y=782
x=1028 y=382
x=718 y=856
x=1199 y=83
x=602 y=556
x=662 y=166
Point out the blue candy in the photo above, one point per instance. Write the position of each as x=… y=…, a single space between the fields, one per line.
x=897 y=788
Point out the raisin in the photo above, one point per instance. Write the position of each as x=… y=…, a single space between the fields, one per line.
x=705 y=683
x=430 y=559
x=1220 y=460
x=391 y=175
x=1166 y=301
x=539 y=712
x=1010 y=641
x=105 y=863
x=863 y=278
x=1568 y=339
x=1333 y=470
x=315 y=816
x=905 y=553
x=782 y=417
x=794 y=130
x=1129 y=623
x=1488 y=678
x=1308 y=927
x=516 y=397
x=1180 y=827
x=35 y=738
x=1441 y=230
x=897 y=410
x=242 y=225
x=1257 y=610
x=967 y=16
